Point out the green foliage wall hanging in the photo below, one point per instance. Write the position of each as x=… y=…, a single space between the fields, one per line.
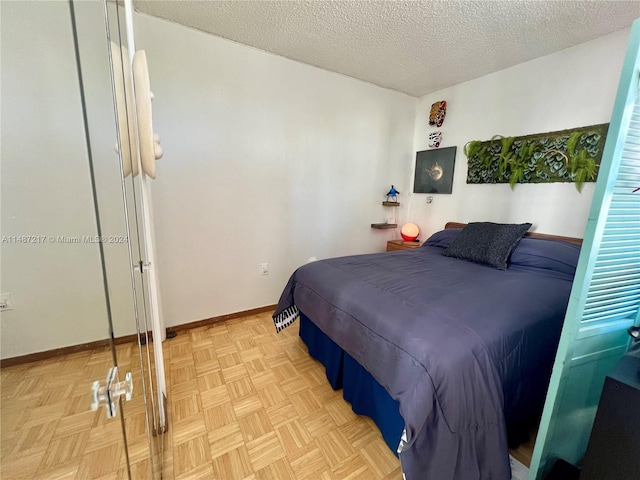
x=564 y=156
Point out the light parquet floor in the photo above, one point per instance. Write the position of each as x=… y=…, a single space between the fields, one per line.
x=47 y=428
x=245 y=403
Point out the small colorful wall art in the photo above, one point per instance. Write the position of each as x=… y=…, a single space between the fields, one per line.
x=434 y=171
x=435 y=138
x=437 y=113
x=563 y=156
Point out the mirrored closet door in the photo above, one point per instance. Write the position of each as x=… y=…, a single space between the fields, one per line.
x=74 y=263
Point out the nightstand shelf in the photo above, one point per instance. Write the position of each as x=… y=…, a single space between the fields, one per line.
x=391 y=204
x=384 y=225
x=394 y=245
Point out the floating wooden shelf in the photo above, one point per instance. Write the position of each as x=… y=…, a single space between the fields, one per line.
x=391 y=204
x=384 y=225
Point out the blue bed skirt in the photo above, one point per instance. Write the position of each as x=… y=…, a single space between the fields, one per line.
x=366 y=395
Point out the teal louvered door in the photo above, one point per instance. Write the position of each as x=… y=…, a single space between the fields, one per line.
x=605 y=297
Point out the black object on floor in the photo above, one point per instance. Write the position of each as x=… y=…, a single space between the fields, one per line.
x=563 y=471
x=615 y=439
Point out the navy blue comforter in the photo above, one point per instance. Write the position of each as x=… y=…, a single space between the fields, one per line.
x=446 y=338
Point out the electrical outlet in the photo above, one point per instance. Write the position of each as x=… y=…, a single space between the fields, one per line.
x=6 y=302
x=264 y=269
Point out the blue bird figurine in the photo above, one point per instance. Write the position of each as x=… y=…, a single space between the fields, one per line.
x=392 y=194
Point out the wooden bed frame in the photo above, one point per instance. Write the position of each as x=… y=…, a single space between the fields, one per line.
x=573 y=240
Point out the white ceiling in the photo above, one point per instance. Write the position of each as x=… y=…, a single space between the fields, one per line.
x=416 y=47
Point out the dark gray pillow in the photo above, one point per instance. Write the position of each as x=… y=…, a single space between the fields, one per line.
x=487 y=243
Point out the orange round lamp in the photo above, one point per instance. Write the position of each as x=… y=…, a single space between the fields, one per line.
x=409 y=232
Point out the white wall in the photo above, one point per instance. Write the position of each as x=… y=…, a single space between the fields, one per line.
x=45 y=183
x=571 y=88
x=266 y=160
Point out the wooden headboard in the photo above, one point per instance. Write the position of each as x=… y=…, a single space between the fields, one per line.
x=575 y=241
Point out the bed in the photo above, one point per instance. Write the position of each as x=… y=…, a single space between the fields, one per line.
x=445 y=354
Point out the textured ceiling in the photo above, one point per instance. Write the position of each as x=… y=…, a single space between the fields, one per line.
x=416 y=47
